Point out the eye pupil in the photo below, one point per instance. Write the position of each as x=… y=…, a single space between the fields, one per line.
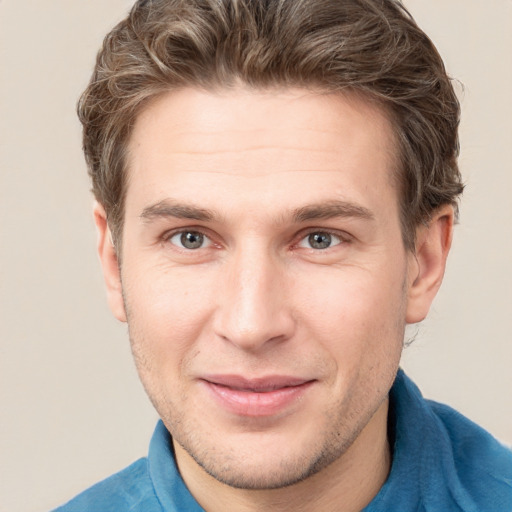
x=319 y=240
x=192 y=240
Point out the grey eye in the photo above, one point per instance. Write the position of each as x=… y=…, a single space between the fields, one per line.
x=190 y=240
x=319 y=240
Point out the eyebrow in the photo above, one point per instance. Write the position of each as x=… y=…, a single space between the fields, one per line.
x=332 y=209
x=167 y=208
x=320 y=211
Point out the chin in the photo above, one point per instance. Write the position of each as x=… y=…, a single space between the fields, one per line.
x=265 y=468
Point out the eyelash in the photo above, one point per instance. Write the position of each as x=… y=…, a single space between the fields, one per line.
x=167 y=237
x=331 y=239
x=342 y=237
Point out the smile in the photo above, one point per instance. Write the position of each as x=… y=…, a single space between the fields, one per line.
x=256 y=397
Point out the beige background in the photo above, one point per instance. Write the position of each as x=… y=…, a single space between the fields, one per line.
x=72 y=408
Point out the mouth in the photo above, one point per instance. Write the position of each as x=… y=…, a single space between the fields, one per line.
x=258 y=397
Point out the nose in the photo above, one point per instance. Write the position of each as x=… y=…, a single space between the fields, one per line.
x=253 y=310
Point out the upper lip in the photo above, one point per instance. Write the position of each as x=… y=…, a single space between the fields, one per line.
x=258 y=384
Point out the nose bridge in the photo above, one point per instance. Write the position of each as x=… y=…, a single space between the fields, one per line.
x=252 y=308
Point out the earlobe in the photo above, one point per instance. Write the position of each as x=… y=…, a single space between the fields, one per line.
x=428 y=264
x=109 y=263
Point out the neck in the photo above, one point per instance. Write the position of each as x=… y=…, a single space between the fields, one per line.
x=346 y=485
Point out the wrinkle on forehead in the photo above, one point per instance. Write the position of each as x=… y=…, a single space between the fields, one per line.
x=250 y=134
x=242 y=111
x=198 y=151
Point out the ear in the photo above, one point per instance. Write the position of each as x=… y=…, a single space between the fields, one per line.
x=428 y=263
x=109 y=263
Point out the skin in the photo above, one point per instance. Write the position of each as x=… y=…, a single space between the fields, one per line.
x=256 y=174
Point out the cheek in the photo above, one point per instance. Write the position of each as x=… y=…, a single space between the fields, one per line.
x=167 y=312
x=354 y=306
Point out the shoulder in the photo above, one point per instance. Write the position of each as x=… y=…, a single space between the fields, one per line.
x=129 y=490
x=483 y=464
x=441 y=459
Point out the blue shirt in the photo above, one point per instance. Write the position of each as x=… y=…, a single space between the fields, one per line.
x=442 y=462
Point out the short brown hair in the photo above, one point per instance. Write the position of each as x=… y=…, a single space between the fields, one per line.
x=372 y=47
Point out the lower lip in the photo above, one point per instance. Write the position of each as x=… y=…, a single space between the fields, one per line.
x=250 y=403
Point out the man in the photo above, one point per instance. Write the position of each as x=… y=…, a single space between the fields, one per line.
x=276 y=185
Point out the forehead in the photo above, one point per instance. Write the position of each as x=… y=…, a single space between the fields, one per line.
x=258 y=144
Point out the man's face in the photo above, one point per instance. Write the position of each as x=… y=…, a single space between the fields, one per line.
x=264 y=276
